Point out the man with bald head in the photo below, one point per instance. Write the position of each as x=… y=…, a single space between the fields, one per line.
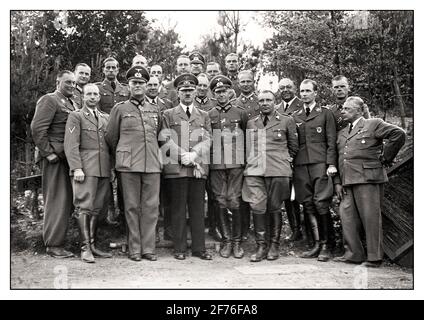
x=290 y=103
x=140 y=60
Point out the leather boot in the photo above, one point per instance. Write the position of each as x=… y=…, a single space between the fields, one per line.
x=238 y=251
x=245 y=220
x=84 y=226
x=310 y=215
x=212 y=222
x=293 y=215
x=224 y=224
x=93 y=231
x=277 y=222
x=261 y=248
x=323 y=223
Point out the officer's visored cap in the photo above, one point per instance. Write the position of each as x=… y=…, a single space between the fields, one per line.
x=220 y=81
x=197 y=57
x=186 y=80
x=139 y=73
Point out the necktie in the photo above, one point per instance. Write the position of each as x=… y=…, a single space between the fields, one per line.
x=113 y=84
x=350 y=127
x=188 y=112
x=286 y=106
x=265 y=121
x=308 y=111
x=95 y=115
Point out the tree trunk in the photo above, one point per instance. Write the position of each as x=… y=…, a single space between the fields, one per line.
x=399 y=96
x=28 y=152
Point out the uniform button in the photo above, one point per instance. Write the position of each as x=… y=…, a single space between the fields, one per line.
x=345 y=153
x=344 y=160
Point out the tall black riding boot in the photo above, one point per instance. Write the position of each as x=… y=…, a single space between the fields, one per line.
x=310 y=215
x=238 y=251
x=84 y=226
x=245 y=220
x=93 y=237
x=277 y=222
x=323 y=222
x=293 y=215
x=213 y=221
x=225 y=227
x=261 y=247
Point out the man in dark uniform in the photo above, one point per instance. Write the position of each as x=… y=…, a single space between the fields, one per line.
x=82 y=77
x=289 y=104
x=48 y=132
x=132 y=135
x=248 y=100
x=315 y=163
x=232 y=66
x=227 y=164
x=111 y=90
x=271 y=144
x=89 y=162
x=186 y=136
x=340 y=86
x=362 y=157
x=197 y=61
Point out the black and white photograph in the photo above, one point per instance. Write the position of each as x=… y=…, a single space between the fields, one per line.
x=204 y=149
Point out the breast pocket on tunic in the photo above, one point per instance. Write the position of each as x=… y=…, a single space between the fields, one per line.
x=278 y=134
x=130 y=121
x=364 y=140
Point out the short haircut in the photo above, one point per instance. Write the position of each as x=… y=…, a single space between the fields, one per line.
x=203 y=75
x=267 y=91
x=314 y=84
x=292 y=81
x=62 y=73
x=232 y=54
x=156 y=65
x=183 y=56
x=339 y=78
x=213 y=63
x=111 y=59
x=246 y=72
x=357 y=101
x=81 y=64
x=89 y=85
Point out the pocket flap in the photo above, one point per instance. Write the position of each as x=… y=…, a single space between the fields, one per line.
x=372 y=165
x=123 y=149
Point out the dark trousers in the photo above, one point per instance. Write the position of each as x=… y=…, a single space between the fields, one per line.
x=57 y=193
x=190 y=193
x=141 y=202
x=91 y=194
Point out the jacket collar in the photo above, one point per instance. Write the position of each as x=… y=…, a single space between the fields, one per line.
x=66 y=102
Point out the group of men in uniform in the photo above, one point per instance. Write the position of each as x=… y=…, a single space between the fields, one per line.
x=165 y=145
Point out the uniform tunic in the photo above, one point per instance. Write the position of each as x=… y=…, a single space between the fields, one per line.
x=48 y=131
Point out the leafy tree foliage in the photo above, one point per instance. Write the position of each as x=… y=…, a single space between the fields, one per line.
x=373 y=49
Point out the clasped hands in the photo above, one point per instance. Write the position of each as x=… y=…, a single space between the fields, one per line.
x=187 y=159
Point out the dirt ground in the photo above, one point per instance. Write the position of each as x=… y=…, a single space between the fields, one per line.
x=30 y=270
